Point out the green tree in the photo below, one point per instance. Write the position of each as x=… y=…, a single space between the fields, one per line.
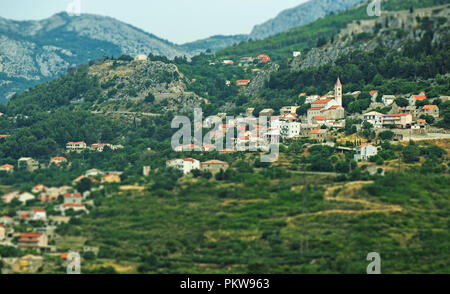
x=386 y=135
x=402 y=102
x=85 y=184
x=411 y=153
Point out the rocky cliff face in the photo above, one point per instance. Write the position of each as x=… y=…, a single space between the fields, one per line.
x=300 y=15
x=261 y=78
x=391 y=30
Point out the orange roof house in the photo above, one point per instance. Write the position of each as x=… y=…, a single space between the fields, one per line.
x=32 y=240
x=111 y=178
x=263 y=58
x=7 y=168
x=57 y=160
x=242 y=82
x=420 y=97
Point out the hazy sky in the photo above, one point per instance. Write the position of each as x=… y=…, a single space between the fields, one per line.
x=178 y=21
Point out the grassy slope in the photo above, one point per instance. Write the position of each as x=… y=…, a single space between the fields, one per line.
x=260 y=226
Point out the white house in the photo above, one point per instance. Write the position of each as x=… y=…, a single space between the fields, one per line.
x=76 y=146
x=38 y=214
x=289 y=130
x=7 y=198
x=94 y=172
x=73 y=198
x=186 y=165
x=25 y=197
x=75 y=207
x=374 y=118
x=6 y=220
x=365 y=151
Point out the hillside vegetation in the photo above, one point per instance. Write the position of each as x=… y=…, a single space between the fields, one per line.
x=304 y=37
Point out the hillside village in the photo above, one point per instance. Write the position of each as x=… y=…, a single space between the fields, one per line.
x=323 y=123
x=326 y=118
x=48 y=208
x=121 y=166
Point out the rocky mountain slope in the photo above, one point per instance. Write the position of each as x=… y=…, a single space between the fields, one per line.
x=123 y=82
x=392 y=30
x=300 y=15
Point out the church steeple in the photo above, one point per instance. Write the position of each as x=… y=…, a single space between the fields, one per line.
x=338 y=92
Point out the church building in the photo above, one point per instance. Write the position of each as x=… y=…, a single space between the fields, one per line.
x=328 y=109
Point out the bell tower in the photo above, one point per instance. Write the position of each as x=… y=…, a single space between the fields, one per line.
x=338 y=92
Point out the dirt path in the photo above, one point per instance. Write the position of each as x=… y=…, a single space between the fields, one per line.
x=349 y=190
x=347 y=193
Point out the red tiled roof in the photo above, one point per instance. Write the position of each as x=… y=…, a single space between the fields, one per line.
x=320 y=118
x=227 y=151
x=420 y=97
x=322 y=101
x=72 y=205
x=364 y=145
x=395 y=115
x=30 y=235
x=215 y=162
x=263 y=58
x=74 y=195
x=60 y=158
x=243 y=81
x=429 y=107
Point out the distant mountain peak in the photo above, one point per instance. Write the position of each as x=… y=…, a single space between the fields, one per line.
x=301 y=15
